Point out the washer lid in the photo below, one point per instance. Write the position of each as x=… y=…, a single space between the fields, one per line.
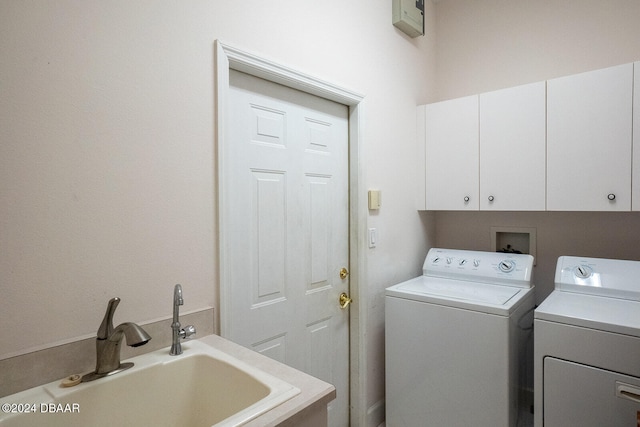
x=481 y=297
x=469 y=291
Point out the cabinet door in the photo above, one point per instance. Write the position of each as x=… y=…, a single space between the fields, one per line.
x=451 y=145
x=589 y=140
x=635 y=198
x=512 y=148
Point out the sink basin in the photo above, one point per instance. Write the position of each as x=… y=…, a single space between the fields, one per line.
x=202 y=387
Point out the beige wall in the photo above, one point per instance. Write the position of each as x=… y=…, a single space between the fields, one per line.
x=488 y=45
x=491 y=44
x=107 y=184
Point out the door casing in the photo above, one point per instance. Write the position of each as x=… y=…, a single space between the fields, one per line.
x=228 y=57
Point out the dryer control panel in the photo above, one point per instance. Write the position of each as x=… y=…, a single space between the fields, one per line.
x=478 y=266
x=599 y=276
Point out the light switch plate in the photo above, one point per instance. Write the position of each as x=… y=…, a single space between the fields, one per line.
x=373 y=237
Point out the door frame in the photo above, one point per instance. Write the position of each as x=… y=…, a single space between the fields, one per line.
x=230 y=58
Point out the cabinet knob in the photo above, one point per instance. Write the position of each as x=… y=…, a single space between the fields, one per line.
x=466 y=198
x=491 y=198
x=611 y=196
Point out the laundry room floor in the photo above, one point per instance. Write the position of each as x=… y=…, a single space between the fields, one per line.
x=525 y=417
x=525 y=409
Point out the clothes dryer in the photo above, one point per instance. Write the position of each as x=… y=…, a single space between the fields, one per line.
x=454 y=337
x=587 y=345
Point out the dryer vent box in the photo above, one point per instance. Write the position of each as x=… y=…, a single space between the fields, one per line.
x=408 y=16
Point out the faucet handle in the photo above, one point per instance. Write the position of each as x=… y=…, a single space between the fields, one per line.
x=187 y=331
x=106 y=327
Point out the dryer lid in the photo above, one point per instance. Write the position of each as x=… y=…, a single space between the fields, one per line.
x=590 y=311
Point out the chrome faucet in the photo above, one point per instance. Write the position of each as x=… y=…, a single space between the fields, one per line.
x=108 y=343
x=177 y=332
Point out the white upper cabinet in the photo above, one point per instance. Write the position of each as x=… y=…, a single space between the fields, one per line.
x=451 y=158
x=567 y=144
x=512 y=148
x=589 y=140
x=635 y=186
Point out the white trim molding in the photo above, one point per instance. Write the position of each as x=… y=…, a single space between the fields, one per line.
x=228 y=57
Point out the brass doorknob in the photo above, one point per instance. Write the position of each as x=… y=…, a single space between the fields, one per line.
x=344 y=273
x=344 y=300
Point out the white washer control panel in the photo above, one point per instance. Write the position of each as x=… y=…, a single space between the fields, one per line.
x=489 y=267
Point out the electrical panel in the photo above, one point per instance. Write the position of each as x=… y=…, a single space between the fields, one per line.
x=408 y=16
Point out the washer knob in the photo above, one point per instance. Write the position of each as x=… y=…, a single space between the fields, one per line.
x=583 y=271
x=506 y=265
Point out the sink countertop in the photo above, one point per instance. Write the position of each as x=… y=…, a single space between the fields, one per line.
x=313 y=391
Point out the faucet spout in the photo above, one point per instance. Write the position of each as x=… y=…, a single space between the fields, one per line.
x=177 y=297
x=176 y=327
x=109 y=340
x=133 y=334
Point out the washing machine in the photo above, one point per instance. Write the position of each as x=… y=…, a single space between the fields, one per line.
x=454 y=337
x=587 y=345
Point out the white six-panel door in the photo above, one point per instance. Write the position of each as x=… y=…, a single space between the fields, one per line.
x=287 y=209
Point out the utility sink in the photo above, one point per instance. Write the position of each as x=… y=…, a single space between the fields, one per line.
x=202 y=387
